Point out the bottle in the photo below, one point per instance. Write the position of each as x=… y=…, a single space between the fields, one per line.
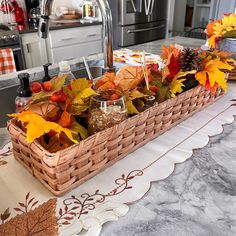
x=46 y=73
x=64 y=68
x=23 y=92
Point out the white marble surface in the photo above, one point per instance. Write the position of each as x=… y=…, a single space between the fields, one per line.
x=198 y=199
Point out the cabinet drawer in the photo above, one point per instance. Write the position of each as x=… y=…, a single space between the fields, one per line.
x=75 y=51
x=59 y=38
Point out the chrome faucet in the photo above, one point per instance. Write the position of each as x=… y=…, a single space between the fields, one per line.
x=46 y=8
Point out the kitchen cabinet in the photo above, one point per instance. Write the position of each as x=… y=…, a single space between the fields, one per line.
x=35 y=50
x=71 y=43
x=204 y=10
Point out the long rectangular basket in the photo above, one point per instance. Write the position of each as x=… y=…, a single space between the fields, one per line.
x=66 y=169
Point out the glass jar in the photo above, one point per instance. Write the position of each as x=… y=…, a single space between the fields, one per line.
x=107 y=109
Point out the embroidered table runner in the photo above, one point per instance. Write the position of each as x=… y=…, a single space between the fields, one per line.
x=26 y=207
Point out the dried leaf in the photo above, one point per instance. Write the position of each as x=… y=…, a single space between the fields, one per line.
x=37 y=126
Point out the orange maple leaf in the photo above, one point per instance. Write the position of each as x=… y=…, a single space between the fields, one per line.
x=212 y=73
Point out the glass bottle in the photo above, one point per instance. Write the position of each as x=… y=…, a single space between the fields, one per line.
x=64 y=68
x=23 y=92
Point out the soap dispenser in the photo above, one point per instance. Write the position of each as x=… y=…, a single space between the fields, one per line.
x=46 y=73
x=23 y=92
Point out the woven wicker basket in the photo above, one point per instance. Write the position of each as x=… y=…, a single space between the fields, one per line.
x=66 y=169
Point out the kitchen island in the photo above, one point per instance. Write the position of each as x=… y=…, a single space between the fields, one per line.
x=199 y=198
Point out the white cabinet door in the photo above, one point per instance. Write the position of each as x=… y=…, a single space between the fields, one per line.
x=35 y=50
x=71 y=43
x=71 y=52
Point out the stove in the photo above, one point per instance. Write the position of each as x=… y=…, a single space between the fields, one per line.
x=11 y=39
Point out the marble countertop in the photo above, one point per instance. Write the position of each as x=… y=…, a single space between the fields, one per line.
x=198 y=199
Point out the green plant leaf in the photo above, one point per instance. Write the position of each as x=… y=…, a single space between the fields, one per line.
x=76 y=128
x=131 y=108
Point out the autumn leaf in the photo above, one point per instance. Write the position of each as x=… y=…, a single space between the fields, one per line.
x=131 y=108
x=128 y=77
x=38 y=126
x=212 y=72
x=176 y=86
x=167 y=52
x=77 y=128
x=135 y=94
x=85 y=93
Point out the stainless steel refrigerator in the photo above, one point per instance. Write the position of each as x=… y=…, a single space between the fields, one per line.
x=138 y=21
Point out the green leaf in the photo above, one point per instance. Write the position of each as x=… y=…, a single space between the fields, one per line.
x=162 y=93
x=76 y=128
x=76 y=109
x=85 y=93
x=131 y=108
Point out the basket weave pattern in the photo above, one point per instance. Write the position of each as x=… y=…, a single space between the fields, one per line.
x=66 y=169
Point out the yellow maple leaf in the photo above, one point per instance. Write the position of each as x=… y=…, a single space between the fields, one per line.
x=212 y=73
x=38 y=126
x=176 y=84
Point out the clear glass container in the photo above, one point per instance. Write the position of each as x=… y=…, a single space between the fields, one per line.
x=64 y=68
x=107 y=109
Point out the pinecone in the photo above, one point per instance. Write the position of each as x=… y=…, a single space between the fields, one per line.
x=189 y=60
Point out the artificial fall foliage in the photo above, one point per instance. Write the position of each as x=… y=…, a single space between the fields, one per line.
x=37 y=126
x=58 y=113
x=222 y=28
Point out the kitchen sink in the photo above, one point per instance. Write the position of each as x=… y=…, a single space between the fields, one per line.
x=8 y=95
x=96 y=72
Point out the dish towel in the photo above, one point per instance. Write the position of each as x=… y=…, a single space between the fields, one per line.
x=7 y=61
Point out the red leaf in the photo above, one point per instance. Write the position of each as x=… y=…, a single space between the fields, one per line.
x=173 y=67
x=123 y=176
x=129 y=187
x=66 y=208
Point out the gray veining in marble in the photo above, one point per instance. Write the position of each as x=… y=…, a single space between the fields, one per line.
x=198 y=199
